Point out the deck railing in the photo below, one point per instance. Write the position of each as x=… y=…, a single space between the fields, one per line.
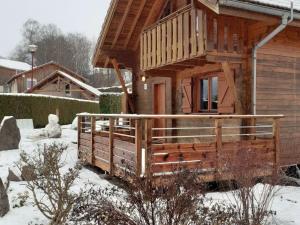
x=135 y=143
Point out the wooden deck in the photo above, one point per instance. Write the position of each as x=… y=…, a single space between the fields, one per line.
x=131 y=142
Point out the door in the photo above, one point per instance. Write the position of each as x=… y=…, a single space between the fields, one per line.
x=159 y=106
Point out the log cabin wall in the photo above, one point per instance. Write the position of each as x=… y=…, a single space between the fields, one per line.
x=278 y=79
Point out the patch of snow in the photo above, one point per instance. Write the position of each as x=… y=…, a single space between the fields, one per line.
x=25 y=124
x=15 y=65
x=279 y=3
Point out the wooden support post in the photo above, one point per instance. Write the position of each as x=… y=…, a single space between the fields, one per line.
x=218 y=133
x=148 y=144
x=276 y=137
x=78 y=135
x=93 y=130
x=111 y=146
x=138 y=146
x=252 y=130
x=118 y=72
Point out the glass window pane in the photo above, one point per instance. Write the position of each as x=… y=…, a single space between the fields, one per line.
x=214 y=93
x=204 y=94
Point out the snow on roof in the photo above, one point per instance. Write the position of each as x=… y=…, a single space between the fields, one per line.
x=279 y=3
x=15 y=65
x=80 y=83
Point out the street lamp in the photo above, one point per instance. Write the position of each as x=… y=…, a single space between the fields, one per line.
x=32 y=50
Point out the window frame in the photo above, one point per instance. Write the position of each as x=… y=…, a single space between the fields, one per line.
x=28 y=81
x=197 y=93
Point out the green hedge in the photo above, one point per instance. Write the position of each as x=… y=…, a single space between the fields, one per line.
x=110 y=103
x=39 y=107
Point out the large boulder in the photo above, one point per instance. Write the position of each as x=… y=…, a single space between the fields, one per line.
x=53 y=129
x=9 y=134
x=4 y=202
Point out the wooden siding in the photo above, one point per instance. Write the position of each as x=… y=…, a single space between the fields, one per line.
x=278 y=79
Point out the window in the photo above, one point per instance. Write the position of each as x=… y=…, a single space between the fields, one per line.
x=67 y=89
x=208 y=94
x=28 y=83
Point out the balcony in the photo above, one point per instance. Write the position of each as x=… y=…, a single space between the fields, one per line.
x=204 y=143
x=185 y=38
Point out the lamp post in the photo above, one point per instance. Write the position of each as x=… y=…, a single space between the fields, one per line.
x=32 y=50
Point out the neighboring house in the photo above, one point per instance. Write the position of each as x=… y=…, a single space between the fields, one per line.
x=197 y=57
x=53 y=79
x=9 y=68
x=63 y=84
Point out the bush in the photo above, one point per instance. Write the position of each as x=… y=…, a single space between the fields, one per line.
x=110 y=103
x=39 y=107
x=177 y=200
x=51 y=188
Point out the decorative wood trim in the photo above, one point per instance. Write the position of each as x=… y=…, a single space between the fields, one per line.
x=229 y=76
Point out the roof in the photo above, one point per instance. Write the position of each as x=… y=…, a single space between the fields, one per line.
x=44 y=65
x=81 y=84
x=286 y=4
x=14 y=65
x=126 y=19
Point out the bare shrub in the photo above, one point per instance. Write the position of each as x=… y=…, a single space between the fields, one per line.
x=51 y=188
x=252 y=202
x=176 y=200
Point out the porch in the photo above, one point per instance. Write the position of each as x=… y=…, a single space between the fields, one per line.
x=157 y=145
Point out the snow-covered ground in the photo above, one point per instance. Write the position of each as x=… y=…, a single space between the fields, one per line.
x=286 y=204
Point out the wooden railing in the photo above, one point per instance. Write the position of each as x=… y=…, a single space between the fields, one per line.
x=188 y=34
x=132 y=143
x=180 y=36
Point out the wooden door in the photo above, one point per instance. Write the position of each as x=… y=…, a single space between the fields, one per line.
x=159 y=106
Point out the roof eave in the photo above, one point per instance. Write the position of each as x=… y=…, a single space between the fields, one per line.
x=103 y=32
x=259 y=8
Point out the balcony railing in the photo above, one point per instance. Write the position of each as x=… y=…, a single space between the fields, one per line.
x=178 y=37
x=199 y=142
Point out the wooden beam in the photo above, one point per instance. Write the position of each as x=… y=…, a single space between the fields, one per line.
x=122 y=82
x=152 y=16
x=136 y=19
x=200 y=70
x=229 y=76
x=121 y=24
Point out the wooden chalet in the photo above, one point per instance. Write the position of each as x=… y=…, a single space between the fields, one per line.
x=210 y=78
x=55 y=80
x=8 y=69
x=63 y=84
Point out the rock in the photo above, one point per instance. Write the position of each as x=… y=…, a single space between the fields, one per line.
x=53 y=129
x=12 y=176
x=4 y=202
x=9 y=134
x=28 y=173
x=74 y=124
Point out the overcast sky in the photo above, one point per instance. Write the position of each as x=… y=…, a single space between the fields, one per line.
x=83 y=16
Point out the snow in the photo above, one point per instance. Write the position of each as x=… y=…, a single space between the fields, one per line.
x=45 y=96
x=80 y=83
x=279 y=3
x=286 y=203
x=15 y=65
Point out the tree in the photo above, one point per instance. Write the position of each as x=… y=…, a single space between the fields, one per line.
x=70 y=50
